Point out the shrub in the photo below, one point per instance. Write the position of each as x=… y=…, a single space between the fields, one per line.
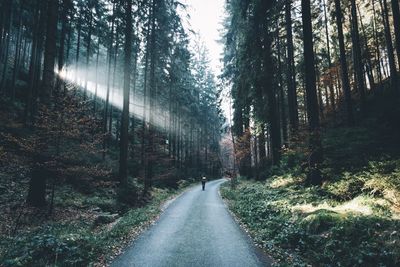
x=50 y=247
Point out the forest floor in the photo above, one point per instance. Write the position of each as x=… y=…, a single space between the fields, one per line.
x=353 y=219
x=83 y=229
x=89 y=223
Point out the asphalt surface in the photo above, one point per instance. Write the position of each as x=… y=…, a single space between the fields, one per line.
x=195 y=230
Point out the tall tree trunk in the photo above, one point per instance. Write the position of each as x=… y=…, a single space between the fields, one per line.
x=281 y=94
x=97 y=76
x=70 y=33
x=78 y=46
x=152 y=101
x=39 y=56
x=6 y=48
x=269 y=92
x=389 y=44
x=110 y=123
x=328 y=45
x=343 y=63
x=106 y=105
x=88 y=51
x=32 y=73
x=360 y=82
x=367 y=53
x=396 y=23
x=50 y=49
x=61 y=52
x=17 y=55
x=22 y=59
x=37 y=185
x=315 y=158
x=145 y=98
x=376 y=41
x=291 y=75
x=2 y=28
x=123 y=158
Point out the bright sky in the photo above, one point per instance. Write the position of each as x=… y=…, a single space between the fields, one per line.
x=206 y=18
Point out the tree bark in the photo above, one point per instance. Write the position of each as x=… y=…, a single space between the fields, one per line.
x=50 y=49
x=315 y=158
x=281 y=95
x=17 y=56
x=331 y=89
x=105 y=115
x=6 y=48
x=123 y=160
x=343 y=63
x=359 y=77
x=376 y=41
x=88 y=50
x=292 y=95
x=389 y=44
x=369 y=66
x=396 y=23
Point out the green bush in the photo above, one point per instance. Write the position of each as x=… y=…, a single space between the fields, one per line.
x=52 y=247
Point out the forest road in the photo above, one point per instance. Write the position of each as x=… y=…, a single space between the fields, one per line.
x=195 y=230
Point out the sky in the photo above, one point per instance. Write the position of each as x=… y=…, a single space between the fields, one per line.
x=206 y=18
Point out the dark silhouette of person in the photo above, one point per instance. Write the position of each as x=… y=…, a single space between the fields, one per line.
x=203 y=182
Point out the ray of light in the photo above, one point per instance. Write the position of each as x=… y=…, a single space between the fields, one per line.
x=161 y=116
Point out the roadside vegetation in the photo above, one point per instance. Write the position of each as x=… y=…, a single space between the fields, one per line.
x=352 y=219
x=107 y=109
x=86 y=228
x=315 y=93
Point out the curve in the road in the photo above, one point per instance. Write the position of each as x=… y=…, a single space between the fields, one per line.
x=195 y=230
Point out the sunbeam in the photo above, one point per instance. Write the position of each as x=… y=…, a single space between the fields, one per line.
x=99 y=89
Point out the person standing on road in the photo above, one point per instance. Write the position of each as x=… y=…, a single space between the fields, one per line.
x=203 y=182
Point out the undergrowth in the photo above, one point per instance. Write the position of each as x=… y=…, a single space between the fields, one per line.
x=352 y=219
x=80 y=243
x=301 y=225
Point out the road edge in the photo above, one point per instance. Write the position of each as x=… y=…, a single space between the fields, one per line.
x=146 y=225
x=260 y=252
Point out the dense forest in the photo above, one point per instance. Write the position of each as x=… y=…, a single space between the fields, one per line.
x=315 y=93
x=110 y=108
x=107 y=97
x=304 y=67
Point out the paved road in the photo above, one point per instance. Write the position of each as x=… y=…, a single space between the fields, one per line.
x=195 y=230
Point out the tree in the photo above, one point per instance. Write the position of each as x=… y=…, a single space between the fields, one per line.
x=291 y=76
x=389 y=43
x=123 y=160
x=396 y=24
x=331 y=90
x=37 y=186
x=358 y=64
x=343 y=64
x=315 y=158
